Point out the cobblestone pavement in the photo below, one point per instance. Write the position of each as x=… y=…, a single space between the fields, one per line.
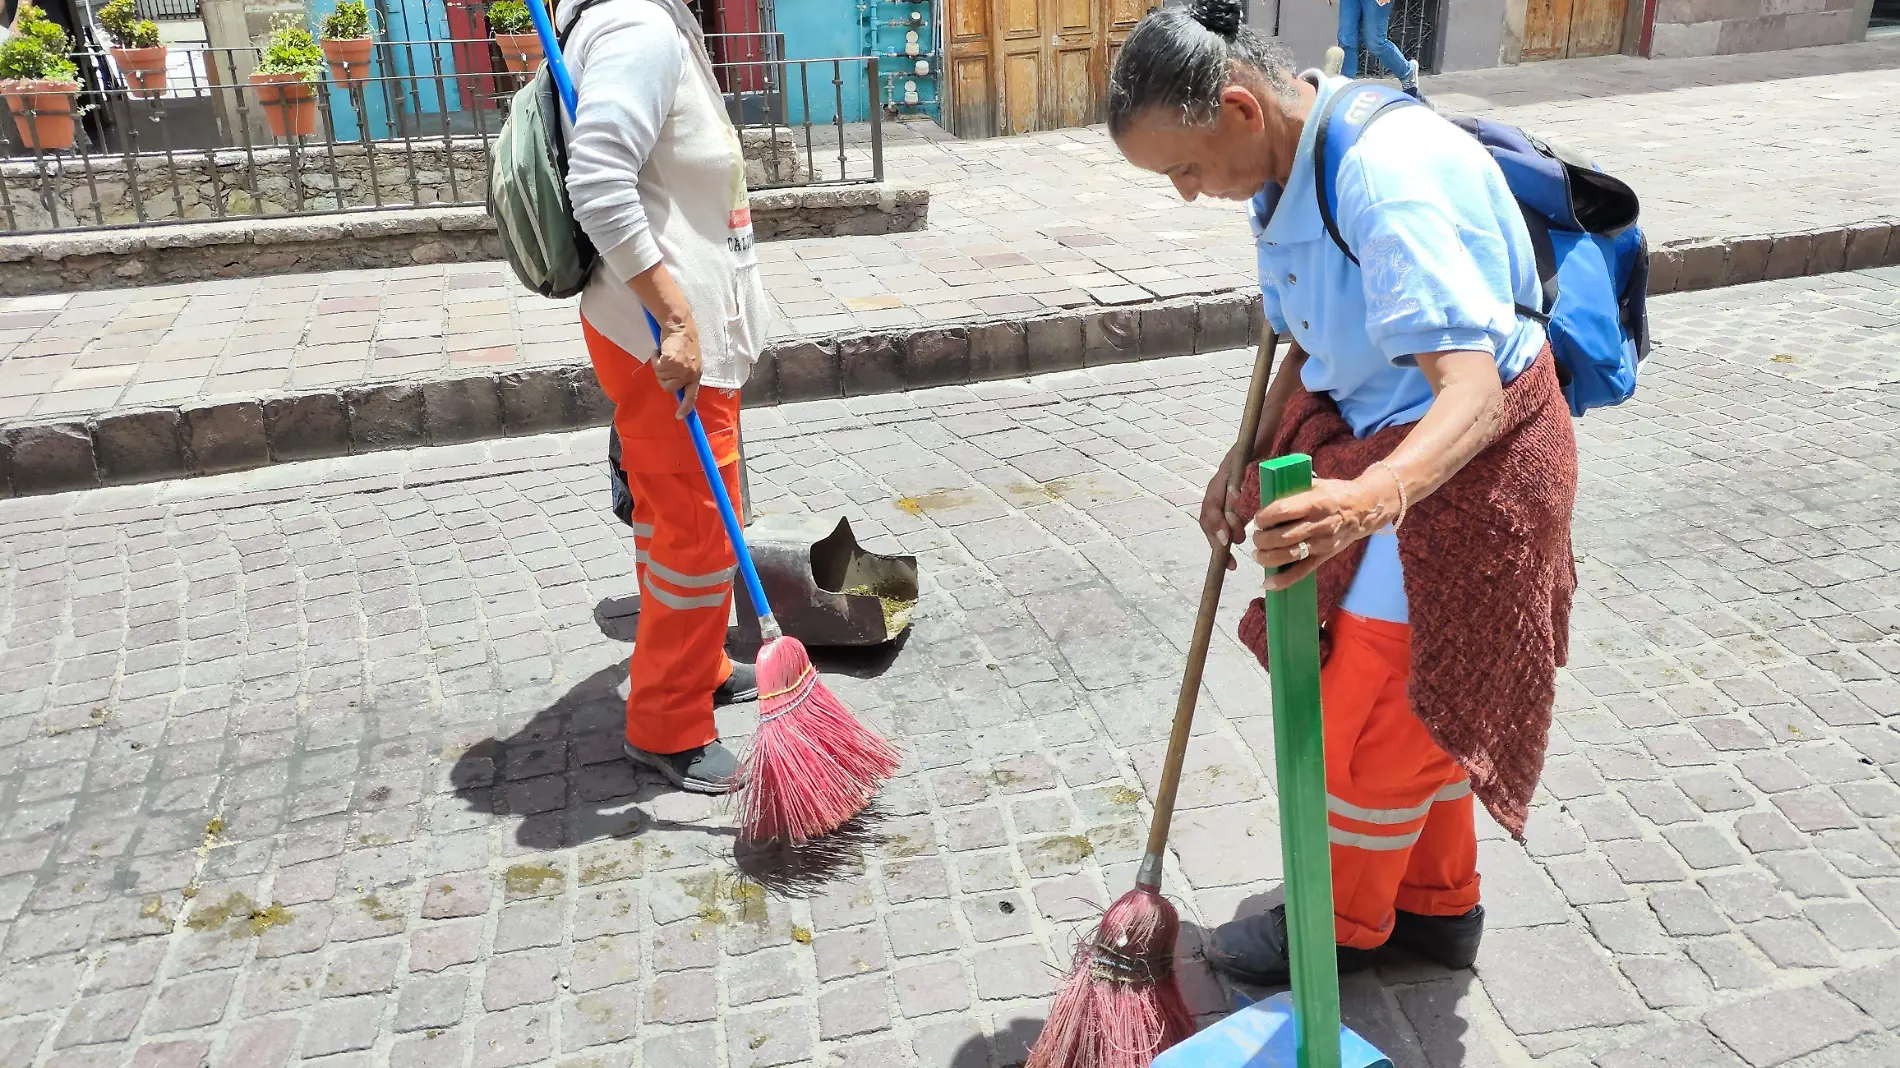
x=319 y=763
x=1721 y=147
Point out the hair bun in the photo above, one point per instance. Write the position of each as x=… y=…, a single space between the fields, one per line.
x=1220 y=16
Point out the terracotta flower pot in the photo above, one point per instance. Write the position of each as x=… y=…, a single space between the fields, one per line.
x=144 y=70
x=349 y=60
x=290 y=103
x=43 y=112
x=520 y=52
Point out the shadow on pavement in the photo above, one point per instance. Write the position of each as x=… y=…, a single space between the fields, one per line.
x=563 y=777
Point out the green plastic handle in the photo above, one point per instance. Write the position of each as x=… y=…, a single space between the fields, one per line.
x=1299 y=754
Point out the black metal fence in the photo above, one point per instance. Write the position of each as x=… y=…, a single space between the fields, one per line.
x=410 y=128
x=168 y=10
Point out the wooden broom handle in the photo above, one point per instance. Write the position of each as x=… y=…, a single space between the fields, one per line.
x=1150 y=873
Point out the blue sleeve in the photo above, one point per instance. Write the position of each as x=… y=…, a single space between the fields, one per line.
x=1269 y=297
x=1434 y=282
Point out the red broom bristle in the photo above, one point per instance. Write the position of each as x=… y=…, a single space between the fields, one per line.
x=1121 y=1005
x=811 y=766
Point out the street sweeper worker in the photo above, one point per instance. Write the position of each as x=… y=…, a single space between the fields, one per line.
x=657 y=180
x=1439 y=518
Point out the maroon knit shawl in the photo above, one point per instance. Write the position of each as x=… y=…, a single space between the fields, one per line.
x=1488 y=578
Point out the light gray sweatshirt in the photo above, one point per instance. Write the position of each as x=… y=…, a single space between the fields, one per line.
x=656 y=174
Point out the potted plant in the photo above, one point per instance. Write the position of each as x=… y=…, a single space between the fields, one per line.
x=514 y=33
x=135 y=48
x=40 y=81
x=347 y=43
x=286 y=78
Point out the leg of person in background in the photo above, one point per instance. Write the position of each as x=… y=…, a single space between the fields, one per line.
x=679 y=670
x=617 y=483
x=1378 y=28
x=1350 y=18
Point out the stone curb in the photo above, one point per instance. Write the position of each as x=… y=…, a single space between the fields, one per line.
x=205 y=438
x=35 y=263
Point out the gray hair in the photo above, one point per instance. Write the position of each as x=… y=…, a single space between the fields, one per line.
x=1180 y=59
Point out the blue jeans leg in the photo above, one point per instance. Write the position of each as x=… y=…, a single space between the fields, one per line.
x=1378 y=25
x=1350 y=17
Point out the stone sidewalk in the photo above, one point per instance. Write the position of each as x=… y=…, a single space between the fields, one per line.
x=1051 y=227
x=318 y=764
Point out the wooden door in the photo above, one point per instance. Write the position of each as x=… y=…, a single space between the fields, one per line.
x=1023 y=65
x=1556 y=29
x=966 y=30
x=1122 y=16
x=1077 y=64
x=1596 y=27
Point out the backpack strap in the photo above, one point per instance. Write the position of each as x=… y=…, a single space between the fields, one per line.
x=1348 y=112
x=1340 y=124
x=561 y=35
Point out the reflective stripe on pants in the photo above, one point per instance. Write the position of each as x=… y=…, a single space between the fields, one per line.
x=684 y=563
x=1399 y=809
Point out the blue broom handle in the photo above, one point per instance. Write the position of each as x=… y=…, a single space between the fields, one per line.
x=768 y=626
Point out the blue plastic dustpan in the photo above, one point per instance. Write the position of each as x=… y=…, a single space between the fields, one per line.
x=1263 y=1035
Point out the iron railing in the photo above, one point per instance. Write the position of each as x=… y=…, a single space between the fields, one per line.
x=168 y=10
x=413 y=132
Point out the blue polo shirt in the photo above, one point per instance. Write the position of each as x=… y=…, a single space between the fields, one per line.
x=1444 y=257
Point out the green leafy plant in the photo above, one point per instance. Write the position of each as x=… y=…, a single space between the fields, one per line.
x=121 y=22
x=349 y=22
x=291 y=50
x=37 y=51
x=510 y=17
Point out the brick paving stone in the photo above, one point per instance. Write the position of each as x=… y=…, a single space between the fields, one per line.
x=850 y=1009
x=938 y=986
x=1728 y=963
x=600 y=1017
x=1664 y=983
x=1579 y=981
x=1680 y=1047
x=1776 y=1028
x=434 y=1001
x=1851 y=926
x=1875 y=989
x=769 y=1037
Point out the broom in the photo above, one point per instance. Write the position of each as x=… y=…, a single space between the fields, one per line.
x=1122 y=1005
x=811 y=766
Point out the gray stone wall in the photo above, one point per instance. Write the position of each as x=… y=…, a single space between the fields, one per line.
x=113 y=191
x=1727 y=27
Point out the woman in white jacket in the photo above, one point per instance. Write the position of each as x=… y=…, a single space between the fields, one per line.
x=657 y=180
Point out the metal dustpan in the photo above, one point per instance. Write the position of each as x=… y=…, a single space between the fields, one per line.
x=825 y=588
x=1300 y=1029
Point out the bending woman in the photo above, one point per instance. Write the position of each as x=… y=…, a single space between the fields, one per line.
x=1439 y=523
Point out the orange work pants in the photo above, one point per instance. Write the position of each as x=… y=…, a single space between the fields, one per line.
x=1398 y=807
x=684 y=561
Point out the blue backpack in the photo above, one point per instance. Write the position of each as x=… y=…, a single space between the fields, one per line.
x=1591 y=256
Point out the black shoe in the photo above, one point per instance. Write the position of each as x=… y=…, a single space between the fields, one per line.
x=1448 y=940
x=1253 y=950
x=709 y=769
x=741 y=686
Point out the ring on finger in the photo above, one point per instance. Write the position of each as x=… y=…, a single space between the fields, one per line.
x=1301 y=552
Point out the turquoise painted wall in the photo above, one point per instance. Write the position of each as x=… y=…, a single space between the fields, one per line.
x=826 y=29
x=823 y=29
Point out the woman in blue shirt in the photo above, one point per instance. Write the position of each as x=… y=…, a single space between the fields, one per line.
x=1414 y=352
